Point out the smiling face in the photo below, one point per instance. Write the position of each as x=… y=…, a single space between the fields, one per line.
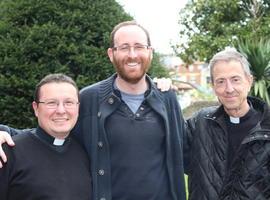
x=59 y=121
x=133 y=64
x=232 y=85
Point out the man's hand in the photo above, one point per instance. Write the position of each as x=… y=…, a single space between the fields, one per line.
x=4 y=137
x=164 y=84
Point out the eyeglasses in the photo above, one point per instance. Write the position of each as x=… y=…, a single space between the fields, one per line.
x=138 y=48
x=53 y=104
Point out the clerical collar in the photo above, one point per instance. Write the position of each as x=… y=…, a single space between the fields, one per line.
x=234 y=120
x=238 y=120
x=48 y=138
x=58 y=142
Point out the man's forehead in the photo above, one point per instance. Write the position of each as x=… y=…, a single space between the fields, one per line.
x=56 y=84
x=58 y=88
x=229 y=61
x=228 y=69
x=228 y=66
x=130 y=33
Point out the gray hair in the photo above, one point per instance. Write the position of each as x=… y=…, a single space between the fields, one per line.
x=229 y=54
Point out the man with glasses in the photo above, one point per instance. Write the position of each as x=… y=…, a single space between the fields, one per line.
x=132 y=132
x=46 y=163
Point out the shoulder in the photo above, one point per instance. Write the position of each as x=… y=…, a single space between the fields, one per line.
x=25 y=140
x=21 y=141
x=24 y=136
x=96 y=86
x=90 y=89
x=170 y=98
x=207 y=112
x=165 y=95
x=101 y=87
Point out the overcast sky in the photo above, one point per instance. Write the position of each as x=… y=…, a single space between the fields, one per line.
x=159 y=17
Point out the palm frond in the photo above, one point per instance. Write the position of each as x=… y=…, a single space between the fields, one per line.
x=257 y=52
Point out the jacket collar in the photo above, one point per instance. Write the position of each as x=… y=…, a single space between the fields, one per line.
x=107 y=87
x=110 y=97
x=263 y=125
x=256 y=103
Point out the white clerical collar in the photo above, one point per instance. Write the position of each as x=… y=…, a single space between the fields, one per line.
x=234 y=120
x=58 y=142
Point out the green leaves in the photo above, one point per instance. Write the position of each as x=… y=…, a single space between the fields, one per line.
x=38 y=37
x=260 y=89
x=258 y=55
x=208 y=26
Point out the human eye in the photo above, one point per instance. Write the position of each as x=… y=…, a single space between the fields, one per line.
x=219 y=82
x=236 y=80
x=51 y=103
x=140 y=47
x=69 y=103
x=124 y=48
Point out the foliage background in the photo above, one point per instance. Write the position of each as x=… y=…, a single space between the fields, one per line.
x=208 y=26
x=38 y=37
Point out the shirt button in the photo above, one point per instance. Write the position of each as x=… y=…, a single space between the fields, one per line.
x=110 y=100
x=266 y=136
x=101 y=172
x=141 y=108
x=100 y=144
x=137 y=115
x=102 y=198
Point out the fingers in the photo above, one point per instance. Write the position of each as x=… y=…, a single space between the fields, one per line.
x=164 y=84
x=4 y=138
x=3 y=157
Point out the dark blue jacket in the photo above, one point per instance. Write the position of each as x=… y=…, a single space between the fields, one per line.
x=97 y=102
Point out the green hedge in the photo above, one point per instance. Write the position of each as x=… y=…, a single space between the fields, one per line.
x=38 y=37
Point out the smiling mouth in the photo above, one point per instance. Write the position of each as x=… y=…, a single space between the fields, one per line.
x=132 y=64
x=60 y=120
x=231 y=98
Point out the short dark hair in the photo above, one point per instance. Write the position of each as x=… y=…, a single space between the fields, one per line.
x=54 y=78
x=128 y=23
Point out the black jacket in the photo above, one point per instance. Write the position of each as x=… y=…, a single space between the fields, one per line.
x=209 y=178
x=97 y=102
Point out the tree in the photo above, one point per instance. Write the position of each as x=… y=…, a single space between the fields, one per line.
x=157 y=69
x=38 y=37
x=210 y=25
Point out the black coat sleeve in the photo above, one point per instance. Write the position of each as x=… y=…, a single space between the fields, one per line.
x=6 y=173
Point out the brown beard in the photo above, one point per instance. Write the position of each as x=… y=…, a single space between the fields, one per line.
x=118 y=65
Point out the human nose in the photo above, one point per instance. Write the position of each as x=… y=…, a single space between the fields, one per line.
x=229 y=86
x=60 y=108
x=132 y=52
